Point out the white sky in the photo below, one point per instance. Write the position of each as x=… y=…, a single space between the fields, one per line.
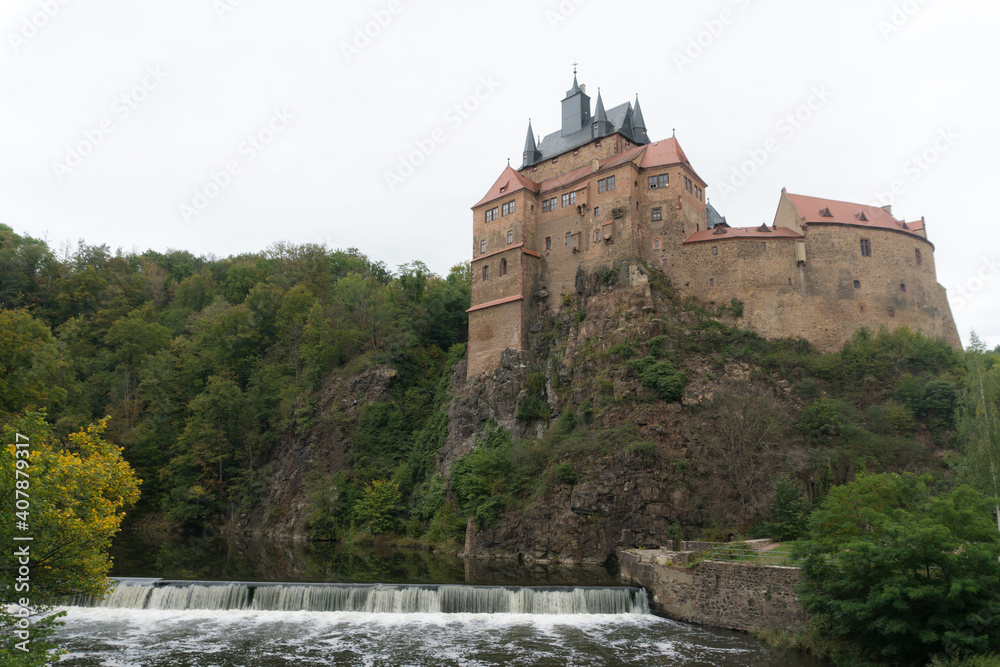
x=898 y=77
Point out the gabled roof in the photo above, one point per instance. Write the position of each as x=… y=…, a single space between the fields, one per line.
x=619 y=117
x=730 y=233
x=510 y=181
x=815 y=210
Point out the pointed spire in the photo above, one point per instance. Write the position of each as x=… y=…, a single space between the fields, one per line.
x=601 y=127
x=531 y=152
x=638 y=124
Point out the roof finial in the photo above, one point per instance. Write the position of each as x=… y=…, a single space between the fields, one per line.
x=574 y=66
x=675 y=132
x=508 y=162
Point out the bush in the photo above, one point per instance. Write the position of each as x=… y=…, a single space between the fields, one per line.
x=661 y=376
x=565 y=473
x=902 y=574
x=534 y=404
x=788 y=511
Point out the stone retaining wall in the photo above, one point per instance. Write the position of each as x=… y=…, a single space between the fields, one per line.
x=736 y=596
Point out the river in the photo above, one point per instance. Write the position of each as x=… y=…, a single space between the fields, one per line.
x=425 y=610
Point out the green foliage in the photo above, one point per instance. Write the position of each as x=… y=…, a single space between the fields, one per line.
x=823 y=419
x=534 y=404
x=788 y=511
x=565 y=473
x=902 y=573
x=379 y=505
x=661 y=376
x=34 y=647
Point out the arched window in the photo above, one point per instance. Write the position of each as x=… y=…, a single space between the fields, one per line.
x=503 y=267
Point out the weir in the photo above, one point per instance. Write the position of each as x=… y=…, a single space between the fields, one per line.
x=369 y=598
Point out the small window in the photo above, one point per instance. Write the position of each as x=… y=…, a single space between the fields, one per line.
x=711 y=282
x=715 y=250
x=503 y=267
x=657 y=214
x=598 y=144
x=597 y=211
x=918 y=256
x=763 y=245
x=491 y=214
x=902 y=287
x=857 y=284
x=658 y=182
x=866 y=248
x=510 y=236
x=548 y=243
x=569 y=199
x=789 y=282
x=656 y=244
x=606 y=184
x=663 y=262
x=554 y=160
x=892 y=312
x=697 y=193
x=486 y=272
x=508 y=208
x=575 y=153
x=597 y=236
x=547 y=205
x=569 y=237
x=482 y=247
x=503 y=189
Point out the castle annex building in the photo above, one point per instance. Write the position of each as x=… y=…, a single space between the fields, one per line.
x=598 y=190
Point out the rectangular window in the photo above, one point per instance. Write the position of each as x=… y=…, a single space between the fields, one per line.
x=866 y=248
x=857 y=284
x=569 y=237
x=510 y=236
x=486 y=272
x=508 y=208
x=569 y=199
x=605 y=184
x=657 y=214
x=549 y=205
x=482 y=247
x=597 y=211
x=715 y=250
x=919 y=258
x=597 y=236
x=789 y=282
x=892 y=312
x=902 y=287
x=656 y=244
x=711 y=282
x=491 y=214
x=658 y=182
x=763 y=245
x=663 y=262
x=548 y=243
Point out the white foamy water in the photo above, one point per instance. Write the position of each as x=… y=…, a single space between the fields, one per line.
x=119 y=637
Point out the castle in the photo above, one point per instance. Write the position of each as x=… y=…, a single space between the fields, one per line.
x=598 y=190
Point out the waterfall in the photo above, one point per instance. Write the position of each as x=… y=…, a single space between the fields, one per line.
x=370 y=598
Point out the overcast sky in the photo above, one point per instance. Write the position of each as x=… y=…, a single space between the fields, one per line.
x=223 y=126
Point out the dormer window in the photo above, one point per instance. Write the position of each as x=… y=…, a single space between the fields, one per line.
x=503 y=189
x=862 y=217
x=826 y=213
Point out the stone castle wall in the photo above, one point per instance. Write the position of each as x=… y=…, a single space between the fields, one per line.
x=735 y=596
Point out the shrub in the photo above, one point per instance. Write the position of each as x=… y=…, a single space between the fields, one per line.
x=661 y=376
x=565 y=473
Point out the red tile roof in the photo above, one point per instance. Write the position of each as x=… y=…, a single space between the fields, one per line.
x=742 y=233
x=665 y=153
x=812 y=211
x=510 y=181
x=498 y=302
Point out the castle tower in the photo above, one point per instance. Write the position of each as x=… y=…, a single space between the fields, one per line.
x=531 y=152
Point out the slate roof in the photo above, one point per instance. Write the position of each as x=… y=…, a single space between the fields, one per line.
x=731 y=233
x=620 y=118
x=714 y=218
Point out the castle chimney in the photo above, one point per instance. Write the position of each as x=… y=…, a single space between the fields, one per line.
x=887 y=208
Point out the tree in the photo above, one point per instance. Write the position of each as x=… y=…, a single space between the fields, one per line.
x=900 y=573
x=378 y=505
x=73 y=498
x=980 y=423
x=30 y=364
x=789 y=511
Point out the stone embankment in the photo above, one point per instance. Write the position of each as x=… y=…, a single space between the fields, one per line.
x=740 y=595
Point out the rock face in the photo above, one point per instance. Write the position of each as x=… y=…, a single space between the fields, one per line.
x=627 y=496
x=322 y=450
